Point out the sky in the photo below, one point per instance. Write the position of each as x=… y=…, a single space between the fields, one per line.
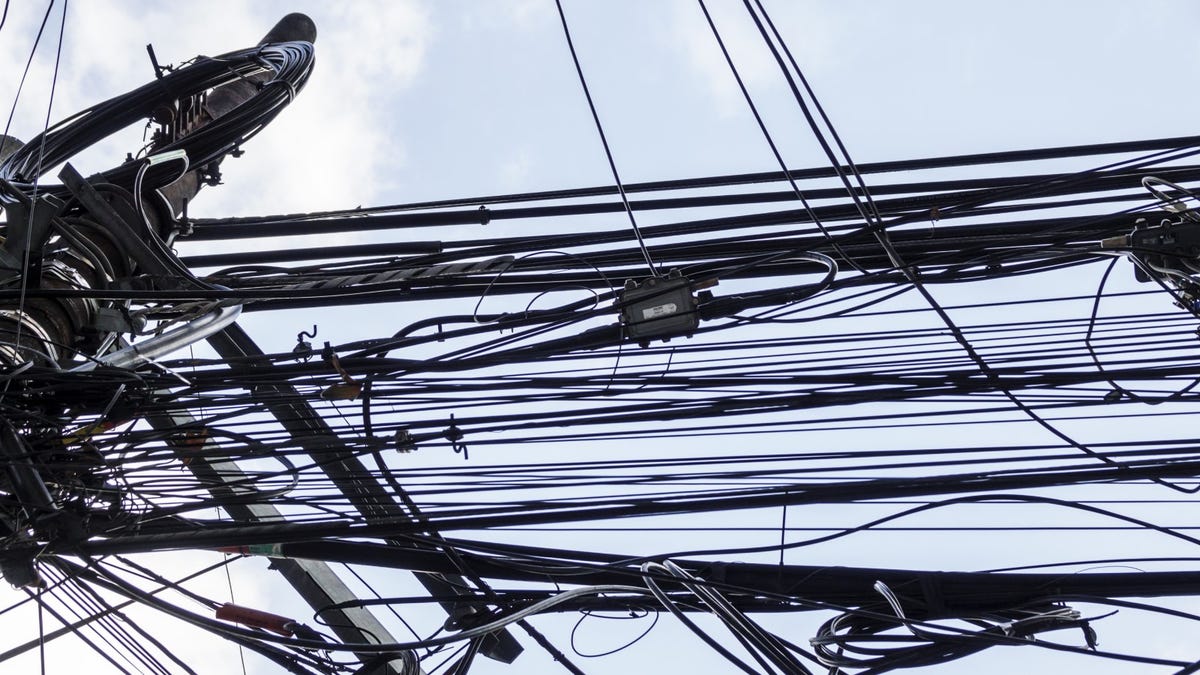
x=414 y=101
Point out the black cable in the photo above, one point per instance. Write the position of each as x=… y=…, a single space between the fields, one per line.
x=21 y=84
x=612 y=165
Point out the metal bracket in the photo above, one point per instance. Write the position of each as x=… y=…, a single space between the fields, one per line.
x=28 y=230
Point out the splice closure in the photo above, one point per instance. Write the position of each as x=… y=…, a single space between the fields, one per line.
x=660 y=308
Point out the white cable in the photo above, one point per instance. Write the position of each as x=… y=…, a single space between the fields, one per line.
x=161 y=345
x=735 y=620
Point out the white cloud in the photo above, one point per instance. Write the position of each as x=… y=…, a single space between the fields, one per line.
x=378 y=46
x=333 y=147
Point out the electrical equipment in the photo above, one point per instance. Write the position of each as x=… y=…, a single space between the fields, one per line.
x=659 y=308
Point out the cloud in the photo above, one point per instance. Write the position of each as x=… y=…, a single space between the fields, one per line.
x=397 y=33
x=334 y=147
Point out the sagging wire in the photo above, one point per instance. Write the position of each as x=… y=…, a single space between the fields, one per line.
x=214 y=625
x=837 y=641
x=1025 y=616
x=497 y=362
x=632 y=615
x=764 y=647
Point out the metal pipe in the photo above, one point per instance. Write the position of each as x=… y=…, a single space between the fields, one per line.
x=161 y=345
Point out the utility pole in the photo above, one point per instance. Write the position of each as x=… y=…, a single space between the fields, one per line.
x=117 y=238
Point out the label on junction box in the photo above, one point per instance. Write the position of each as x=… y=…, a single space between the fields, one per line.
x=659 y=310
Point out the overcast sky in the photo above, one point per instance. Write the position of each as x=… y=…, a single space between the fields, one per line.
x=414 y=101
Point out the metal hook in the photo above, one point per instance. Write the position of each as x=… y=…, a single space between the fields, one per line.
x=455 y=435
x=303 y=349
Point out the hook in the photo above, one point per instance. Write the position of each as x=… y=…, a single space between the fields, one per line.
x=455 y=435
